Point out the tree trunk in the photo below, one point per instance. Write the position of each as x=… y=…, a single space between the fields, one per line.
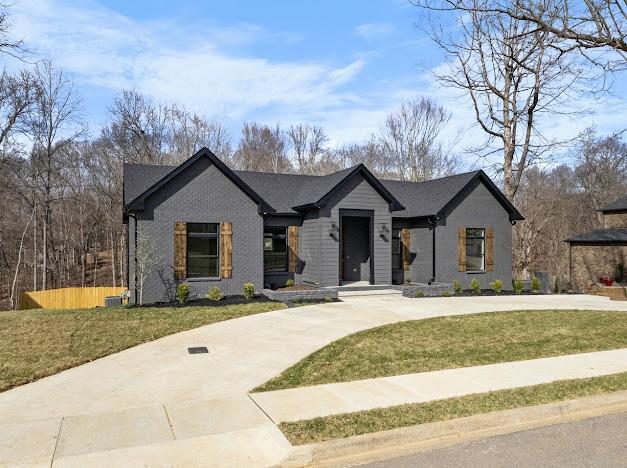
x=19 y=260
x=44 y=241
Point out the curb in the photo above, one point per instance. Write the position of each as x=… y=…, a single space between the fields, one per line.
x=379 y=446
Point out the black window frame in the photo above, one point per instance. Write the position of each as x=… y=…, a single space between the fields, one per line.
x=203 y=235
x=269 y=234
x=396 y=241
x=482 y=238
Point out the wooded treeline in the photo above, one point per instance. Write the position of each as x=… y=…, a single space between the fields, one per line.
x=61 y=184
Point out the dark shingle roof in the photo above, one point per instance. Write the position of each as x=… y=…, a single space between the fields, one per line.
x=283 y=192
x=601 y=236
x=140 y=177
x=617 y=205
x=429 y=197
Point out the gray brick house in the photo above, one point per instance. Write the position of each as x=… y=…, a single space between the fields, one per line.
x=600 y=252
x=205 y=224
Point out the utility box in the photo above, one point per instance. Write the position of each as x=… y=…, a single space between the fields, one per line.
x=113 y=301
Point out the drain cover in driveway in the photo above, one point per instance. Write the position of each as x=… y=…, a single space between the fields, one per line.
x=198 y=350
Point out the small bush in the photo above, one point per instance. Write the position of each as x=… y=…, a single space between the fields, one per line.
x=535 y=285
x=248 y=291
x=457 y=287
x=215 y=294
x=289 y=283
x=497 y=286
x=182 y=293
x=328 y=299
x=419 y=294
x=517 y=285
x=475 y=286
x=446 y=294
x=619 y=276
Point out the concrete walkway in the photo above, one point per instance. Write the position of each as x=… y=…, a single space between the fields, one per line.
x=156 y=404
x=323 y=400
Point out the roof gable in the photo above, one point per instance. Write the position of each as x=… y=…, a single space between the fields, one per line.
x=137 y=203
x=477 y=178
x=318 y=193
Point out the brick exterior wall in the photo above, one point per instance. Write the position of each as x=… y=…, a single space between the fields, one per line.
x=589 y=262
x=615 y=220
x=201 y=194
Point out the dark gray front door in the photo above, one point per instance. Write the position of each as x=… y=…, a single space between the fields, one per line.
x=355 y=248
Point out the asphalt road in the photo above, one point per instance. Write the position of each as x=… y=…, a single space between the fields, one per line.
x=595 y=442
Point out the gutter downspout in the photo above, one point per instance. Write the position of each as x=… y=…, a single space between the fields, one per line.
x=134 y=258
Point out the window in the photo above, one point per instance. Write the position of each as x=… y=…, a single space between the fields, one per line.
x=275 y=249
x=475 y=249
x=203 y=250
x=397 y=250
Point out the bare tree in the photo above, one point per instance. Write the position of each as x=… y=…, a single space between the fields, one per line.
x=591 y=27
x=8 y=44
x=308 y=144
x=190 y=132
x=54 y=125
x=12 y=300
x=512 y=77
x=410 y=141
x=262 y=148
x=17 y=93
x=370 y=154
x=139 y=128
x=601 y=169
x=146 y=257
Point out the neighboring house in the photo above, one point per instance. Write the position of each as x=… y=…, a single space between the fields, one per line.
x=212 y=226
x=599 y=253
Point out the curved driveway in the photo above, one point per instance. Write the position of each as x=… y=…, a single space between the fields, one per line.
x=155 y=403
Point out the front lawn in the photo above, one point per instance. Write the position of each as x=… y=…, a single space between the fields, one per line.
x=350 y=424
x=457 y=341
x=37 y=343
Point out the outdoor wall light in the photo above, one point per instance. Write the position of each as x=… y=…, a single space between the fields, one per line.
x=334 y=230
x=384 y=231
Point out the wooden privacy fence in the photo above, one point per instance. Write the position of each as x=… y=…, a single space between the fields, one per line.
x=67 y=298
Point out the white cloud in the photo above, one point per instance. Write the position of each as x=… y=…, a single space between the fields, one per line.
x=374 y=30
x=205 y=71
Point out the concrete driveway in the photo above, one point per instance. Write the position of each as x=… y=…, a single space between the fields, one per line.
x=157 y=405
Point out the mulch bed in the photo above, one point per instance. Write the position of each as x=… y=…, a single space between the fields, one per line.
x=227 y=300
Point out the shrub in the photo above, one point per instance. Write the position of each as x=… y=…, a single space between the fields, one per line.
x=446 y=293
x=619 y=276
x=497 y=286
x=328 y=299
x=457 y=287
x=535 y=285
x=517 y=284
x=248 y=291
x=419 y=294
x=215 y=294
x=182 y=293
x=475 y=286
x=289 y=283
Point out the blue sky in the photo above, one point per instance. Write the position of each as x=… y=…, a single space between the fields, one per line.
x=342 y=65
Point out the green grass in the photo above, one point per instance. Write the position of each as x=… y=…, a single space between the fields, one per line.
x=346 y=425
x=458 y=341
x=37 y=343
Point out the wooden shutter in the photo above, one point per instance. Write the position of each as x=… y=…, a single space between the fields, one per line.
x=180 y=250
x=292 y=242
x=226 y=250
x=405 y=243
x=461 y=249
x=489 y=249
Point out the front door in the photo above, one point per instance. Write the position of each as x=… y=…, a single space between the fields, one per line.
x=355 y=248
